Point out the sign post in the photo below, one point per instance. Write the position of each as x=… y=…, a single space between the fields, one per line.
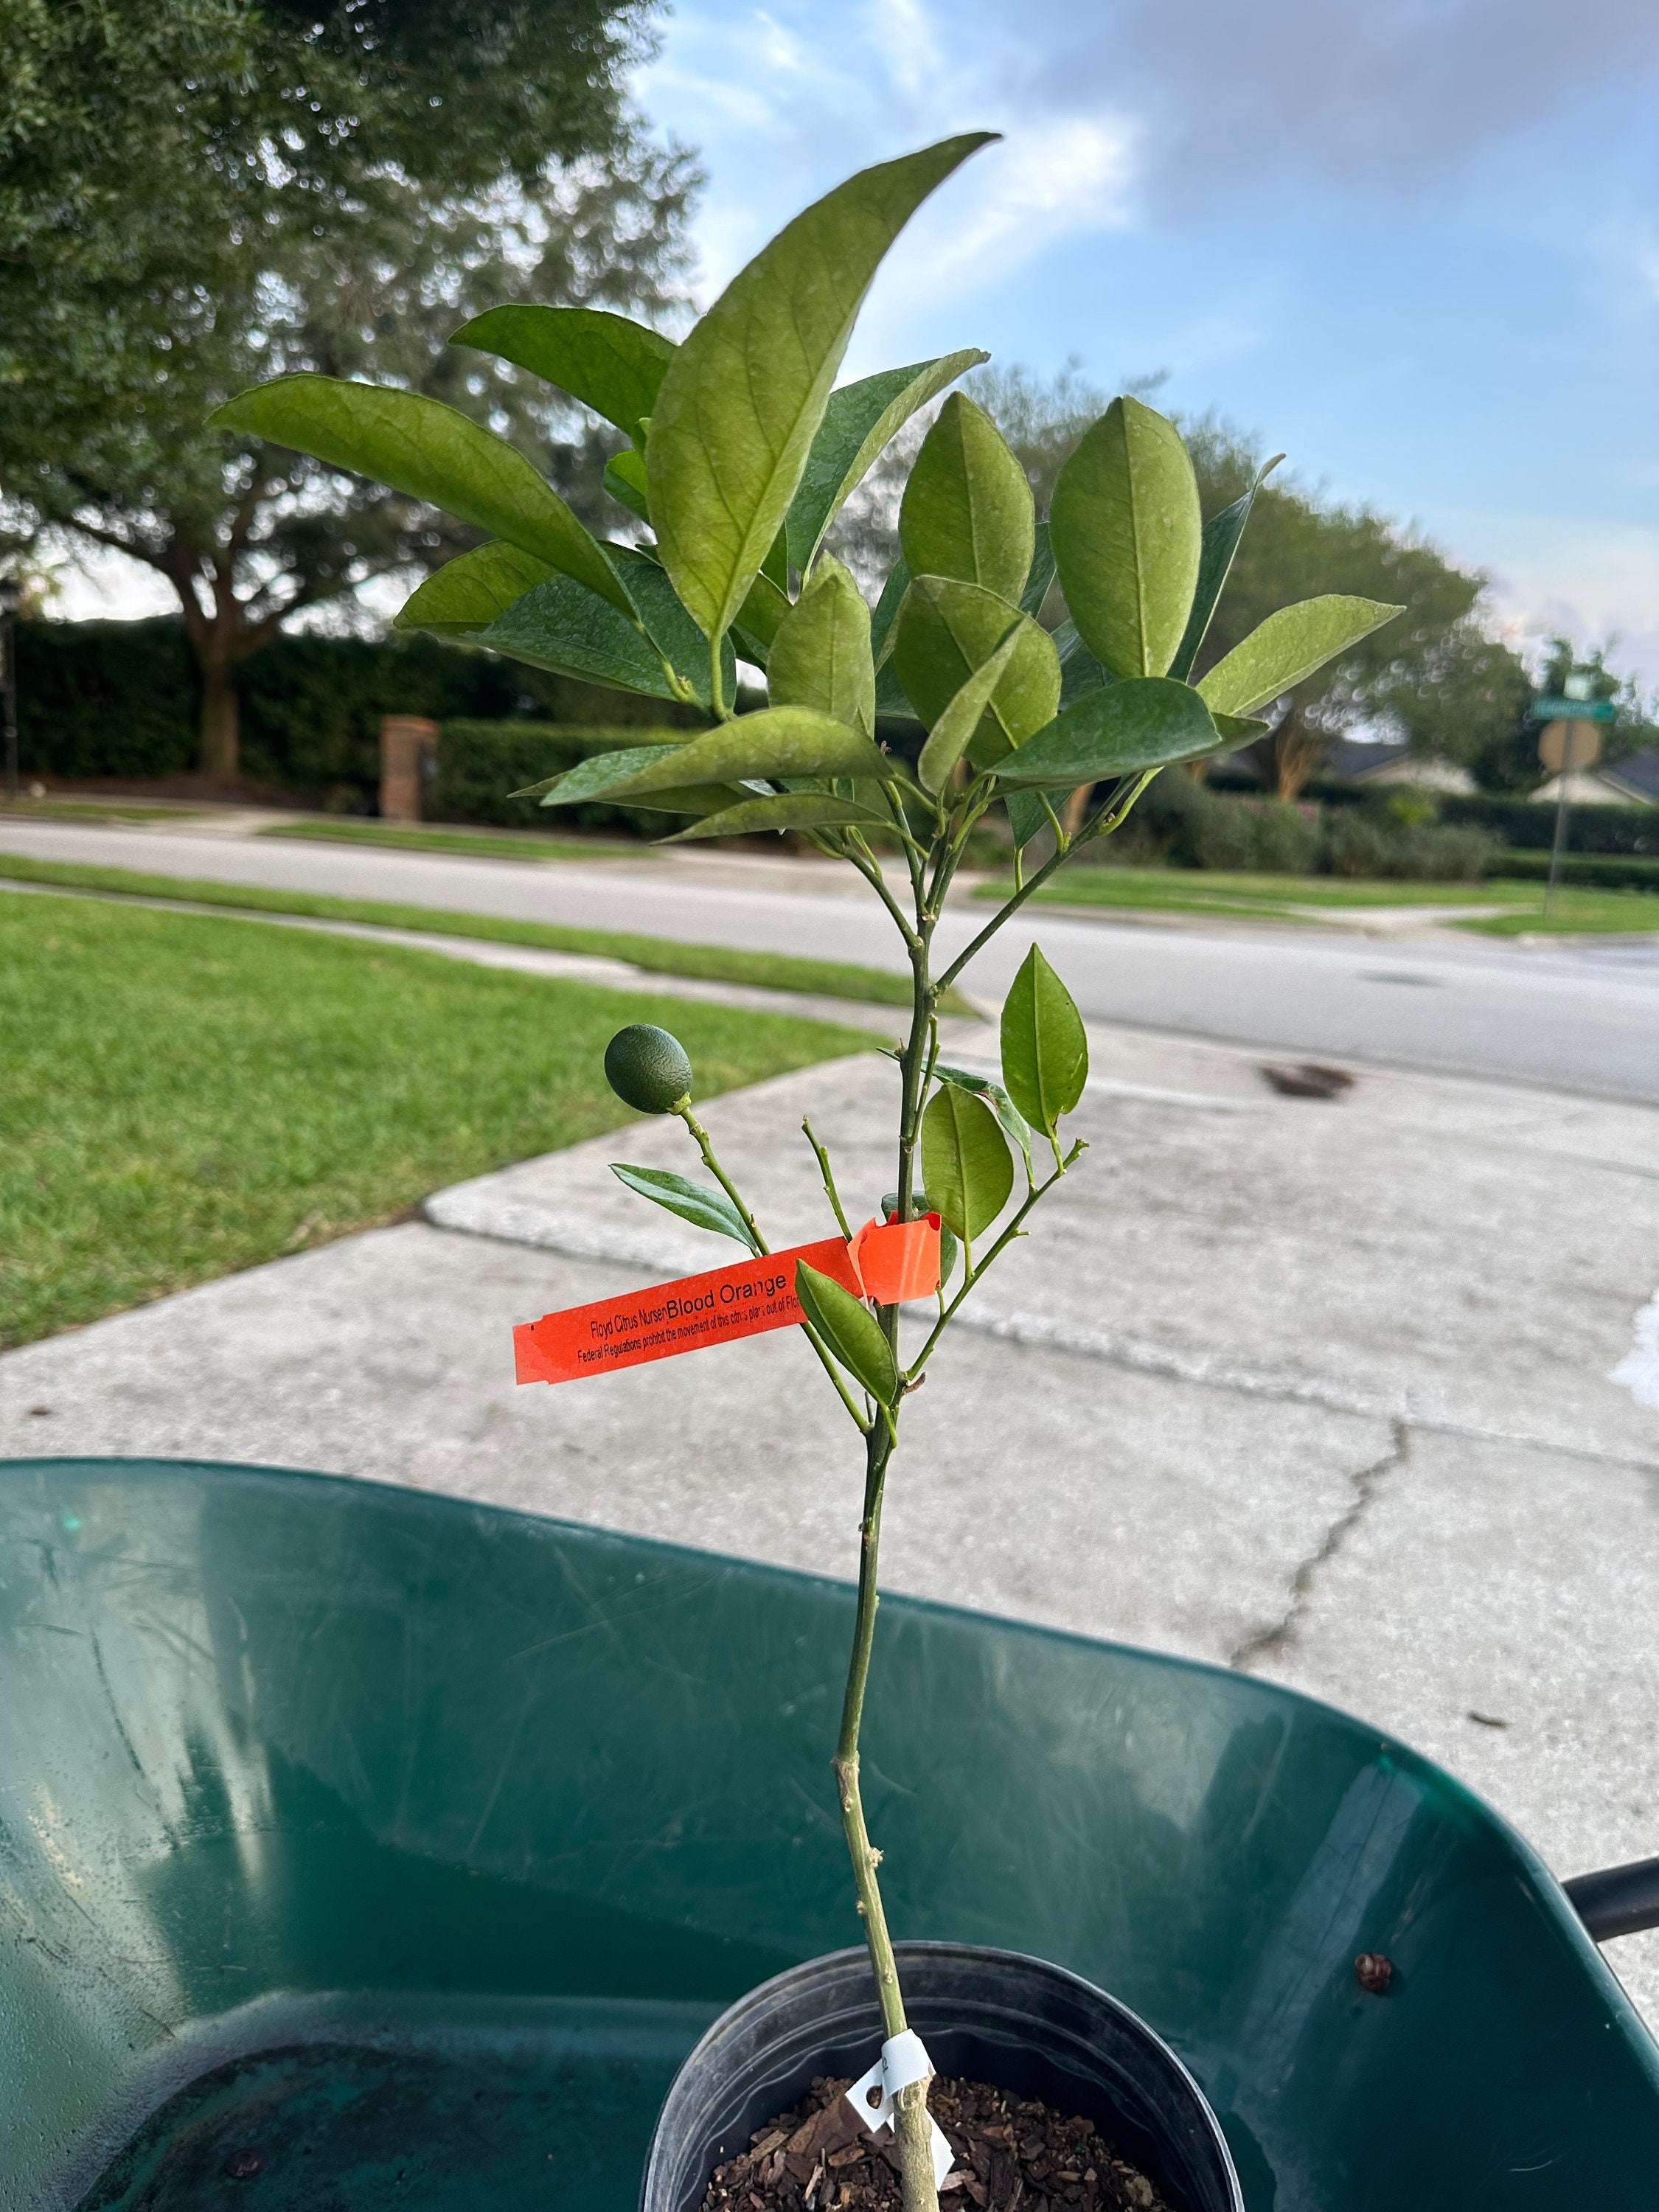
x=1569 y=739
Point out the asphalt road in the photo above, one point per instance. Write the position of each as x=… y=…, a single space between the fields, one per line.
x=1583 y=1017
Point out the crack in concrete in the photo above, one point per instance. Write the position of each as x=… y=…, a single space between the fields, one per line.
x=1269 y=1641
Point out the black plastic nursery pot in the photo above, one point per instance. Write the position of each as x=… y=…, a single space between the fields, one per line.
x=1026 y=2026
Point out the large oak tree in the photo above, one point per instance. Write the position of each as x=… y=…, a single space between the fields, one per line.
x=197 y=193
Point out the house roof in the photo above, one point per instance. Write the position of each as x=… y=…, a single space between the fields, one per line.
x=1639 y=775
x=1351 y=761
x=1632 y=782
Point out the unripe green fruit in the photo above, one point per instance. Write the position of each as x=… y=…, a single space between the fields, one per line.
x=648 y=1068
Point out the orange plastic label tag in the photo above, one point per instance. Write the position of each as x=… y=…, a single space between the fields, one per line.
x=889 y=1262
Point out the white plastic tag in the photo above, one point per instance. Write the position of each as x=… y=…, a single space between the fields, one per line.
x=903 y=2059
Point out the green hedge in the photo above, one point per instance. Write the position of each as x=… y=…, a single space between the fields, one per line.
x=1530 y=824
x=1592 y=869
x=119 y=700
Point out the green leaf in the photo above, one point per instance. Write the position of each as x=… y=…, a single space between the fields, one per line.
x=858 y=420
x=693 y=1201
x=1126 y=533
x=851 y=1331
x=886 y=610
x=586 y=738
x=596 y=777
x=945 y=630
x=624 y=479
x=1280 y=653
x=1079 y=672
x=666 y=623
x=789 y=810
x=561 y=626
x=955 y=728
x=967 y=510
x=1014 y=1123
x=1026 y=815
x=820 y=652
x=1041 y=574
x=965 y=1161
x=1220 y=541
x=699 y=799
x=743 y=399
x=1045 y=1054
x=890 y=692
x=469 y=592
x=611 y=364
x=430 y=452
x=1116 y=730
x=759 y=618
x=779 y=741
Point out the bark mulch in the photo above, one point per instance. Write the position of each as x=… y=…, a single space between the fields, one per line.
x=1009 y=2156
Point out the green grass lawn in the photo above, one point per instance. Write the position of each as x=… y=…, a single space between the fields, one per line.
x=777 y=971
x=181 y=1097
x=1576 y=911
x=90 y=809
x=470 y=844
x=1287 y=898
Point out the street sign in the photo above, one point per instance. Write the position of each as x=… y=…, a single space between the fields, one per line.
x=1572 y=710
x=1563 y=744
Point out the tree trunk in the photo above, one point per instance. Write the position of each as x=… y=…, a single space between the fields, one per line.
x=1072 y=813
x=222 y=720
x=1297 y=752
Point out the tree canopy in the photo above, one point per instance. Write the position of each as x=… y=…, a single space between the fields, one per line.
x=196 y=193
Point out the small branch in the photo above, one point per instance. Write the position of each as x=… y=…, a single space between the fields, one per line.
x=870 y=868
x=971 y=1274
x=706 y=1147
x=1101 y=824
x=829 y=1190
x=762 y=1250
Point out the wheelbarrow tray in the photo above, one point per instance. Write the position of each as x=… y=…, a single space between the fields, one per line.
x=360 y=1848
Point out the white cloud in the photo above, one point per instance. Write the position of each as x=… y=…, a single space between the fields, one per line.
x=1581 y=578
x=806 y=93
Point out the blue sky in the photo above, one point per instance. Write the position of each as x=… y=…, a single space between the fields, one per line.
x=1415 y=244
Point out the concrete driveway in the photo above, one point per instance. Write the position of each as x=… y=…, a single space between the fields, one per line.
x=1361 y=1393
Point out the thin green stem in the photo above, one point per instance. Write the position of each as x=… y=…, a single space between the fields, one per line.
x=828 y=1173
x=870 y=868
x=717 y=683
x=762 y=1250
x=1105 y=820
x=911 y=2130
x=972 y=1274
x=706 y=1147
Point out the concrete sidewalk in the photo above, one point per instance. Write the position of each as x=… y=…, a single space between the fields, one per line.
x=1322 y=1389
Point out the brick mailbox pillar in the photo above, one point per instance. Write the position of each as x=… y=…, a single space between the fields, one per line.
x=408 y=745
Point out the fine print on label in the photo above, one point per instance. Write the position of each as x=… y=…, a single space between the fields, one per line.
x=890 y=1261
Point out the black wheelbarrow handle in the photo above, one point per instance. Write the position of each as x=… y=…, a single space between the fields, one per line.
x=1618 y=1900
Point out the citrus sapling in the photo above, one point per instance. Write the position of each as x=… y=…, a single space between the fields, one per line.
x=742 y=449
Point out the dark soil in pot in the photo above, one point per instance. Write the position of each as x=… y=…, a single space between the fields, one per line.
x=1031 y=2034
x=1009 y=2155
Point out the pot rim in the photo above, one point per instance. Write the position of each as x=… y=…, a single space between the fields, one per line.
x=743 y=2008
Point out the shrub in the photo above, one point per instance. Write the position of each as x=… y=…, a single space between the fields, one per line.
x=1529 y=824
x=1598 y=871
x=118 y=700
x=1372 y=841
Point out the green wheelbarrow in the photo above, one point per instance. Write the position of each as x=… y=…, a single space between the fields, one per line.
x=361 y=1849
